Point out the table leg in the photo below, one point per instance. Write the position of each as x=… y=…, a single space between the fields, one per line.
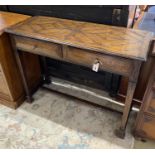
x=128 y=101
x=29 y=98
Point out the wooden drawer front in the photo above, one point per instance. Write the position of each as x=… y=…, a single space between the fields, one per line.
x=39 y=47
x=147 y=126
x=150 y=106
x=107 y=62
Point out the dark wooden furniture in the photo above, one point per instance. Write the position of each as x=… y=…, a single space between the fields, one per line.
x=117 y=50
x=11 y=88
x=145 y=123
x=145 y=70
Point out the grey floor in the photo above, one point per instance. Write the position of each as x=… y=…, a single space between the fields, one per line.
x=59 y=121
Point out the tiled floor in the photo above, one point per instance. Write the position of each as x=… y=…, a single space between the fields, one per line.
x=58 y=121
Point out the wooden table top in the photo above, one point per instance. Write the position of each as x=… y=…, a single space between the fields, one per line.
x=8 y=19
x=128 y=43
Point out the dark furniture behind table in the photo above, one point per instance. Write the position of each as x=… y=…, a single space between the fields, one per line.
x=111 y=15
x=11 y=88
x=146 y=68
x=145 y=123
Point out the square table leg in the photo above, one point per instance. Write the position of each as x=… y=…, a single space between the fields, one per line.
x=29 y=98
x=129 y=97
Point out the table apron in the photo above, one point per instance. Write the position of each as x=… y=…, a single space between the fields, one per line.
x=84 y=57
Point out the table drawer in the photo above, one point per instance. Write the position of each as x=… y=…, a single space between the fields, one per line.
x=39 y=47
x=107 y=62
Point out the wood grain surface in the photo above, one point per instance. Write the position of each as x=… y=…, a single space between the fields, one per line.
x=8 y=19
x=12 y=93
x=106 y=39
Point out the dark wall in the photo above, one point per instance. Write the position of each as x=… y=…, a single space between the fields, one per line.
x=3 y=8
x=97 y=14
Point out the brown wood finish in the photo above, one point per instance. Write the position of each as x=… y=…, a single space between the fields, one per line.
x=105 y=39
x=145 y=123
x=3 y=88
x=12 y=92
x=75 y=55
x=147 y=127
x=39 y=47
x=32 y=69
x=144 y=74
x=118 y=50
x=10 y=74
x=9 y=19
x=150 y=108
x=143 y=78
x=107 y=62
